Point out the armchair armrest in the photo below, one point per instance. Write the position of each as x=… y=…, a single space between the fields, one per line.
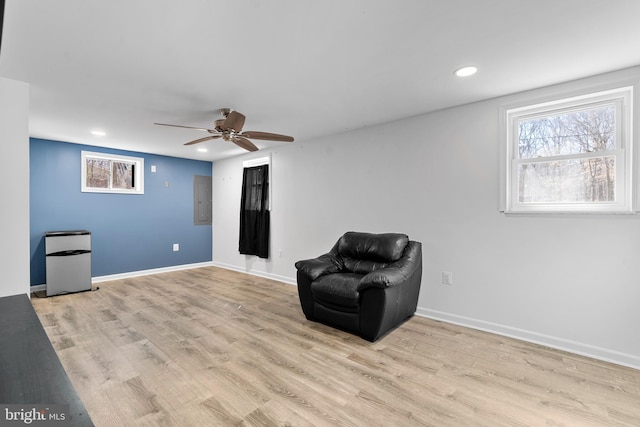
x=316 y=267
x=383 y=278
x=395 y=273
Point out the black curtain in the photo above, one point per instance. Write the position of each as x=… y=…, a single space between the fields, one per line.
x=1 y=21
x=254 y=215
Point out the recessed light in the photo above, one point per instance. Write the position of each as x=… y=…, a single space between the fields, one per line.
x=202 y=150
x=467 y=71
x=98 y=133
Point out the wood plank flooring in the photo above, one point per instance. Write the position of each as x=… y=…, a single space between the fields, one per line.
x=212 y=347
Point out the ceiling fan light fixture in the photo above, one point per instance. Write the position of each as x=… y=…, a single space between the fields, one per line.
x=202 y=150
x=466 y=71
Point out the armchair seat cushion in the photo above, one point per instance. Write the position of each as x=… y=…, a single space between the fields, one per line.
x=338 y=289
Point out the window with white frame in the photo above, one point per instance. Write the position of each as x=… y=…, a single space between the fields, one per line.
x=571 y=155
x=112 y=173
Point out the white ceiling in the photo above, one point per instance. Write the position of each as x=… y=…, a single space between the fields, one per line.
x=305 y=68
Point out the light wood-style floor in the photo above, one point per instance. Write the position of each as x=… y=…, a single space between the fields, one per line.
x=209 y=347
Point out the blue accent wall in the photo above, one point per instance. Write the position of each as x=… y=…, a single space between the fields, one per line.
x=129 y=232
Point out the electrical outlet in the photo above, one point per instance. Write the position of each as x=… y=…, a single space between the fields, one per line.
x=176 y=247
x=447 y=278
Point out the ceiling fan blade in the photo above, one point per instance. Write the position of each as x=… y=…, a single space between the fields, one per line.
x=234 y=121
x=244 y=143
x=187 y=127
x=267 y=136
x=206 y=138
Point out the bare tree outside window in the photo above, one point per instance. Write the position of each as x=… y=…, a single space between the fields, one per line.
x=98 y=173
x=123 y=175
x=586 y=136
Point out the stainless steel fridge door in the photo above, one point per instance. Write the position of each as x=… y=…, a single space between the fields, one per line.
x=68 y=262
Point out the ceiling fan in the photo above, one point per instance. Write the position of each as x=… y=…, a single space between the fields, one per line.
x=230 y=129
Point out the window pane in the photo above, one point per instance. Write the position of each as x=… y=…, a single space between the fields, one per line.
x=98 y=173
x=123 y=175
x=575 y=132
x=567 y=181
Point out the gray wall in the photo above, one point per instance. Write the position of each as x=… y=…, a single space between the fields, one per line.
x=568 y=281
x=14 y=187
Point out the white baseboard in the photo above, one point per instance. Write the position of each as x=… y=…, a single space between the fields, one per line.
x=98 y=279
x=588 y=350
x=138 y=273
x=277 y=277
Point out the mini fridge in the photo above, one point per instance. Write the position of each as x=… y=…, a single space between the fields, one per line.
x=68 y=261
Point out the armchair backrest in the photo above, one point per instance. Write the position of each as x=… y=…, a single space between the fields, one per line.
x=363 y=253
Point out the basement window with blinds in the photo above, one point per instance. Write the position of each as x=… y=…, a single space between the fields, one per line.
x=112 y=173
x=570 y=155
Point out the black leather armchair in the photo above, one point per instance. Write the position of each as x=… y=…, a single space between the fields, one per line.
x=367 y=284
